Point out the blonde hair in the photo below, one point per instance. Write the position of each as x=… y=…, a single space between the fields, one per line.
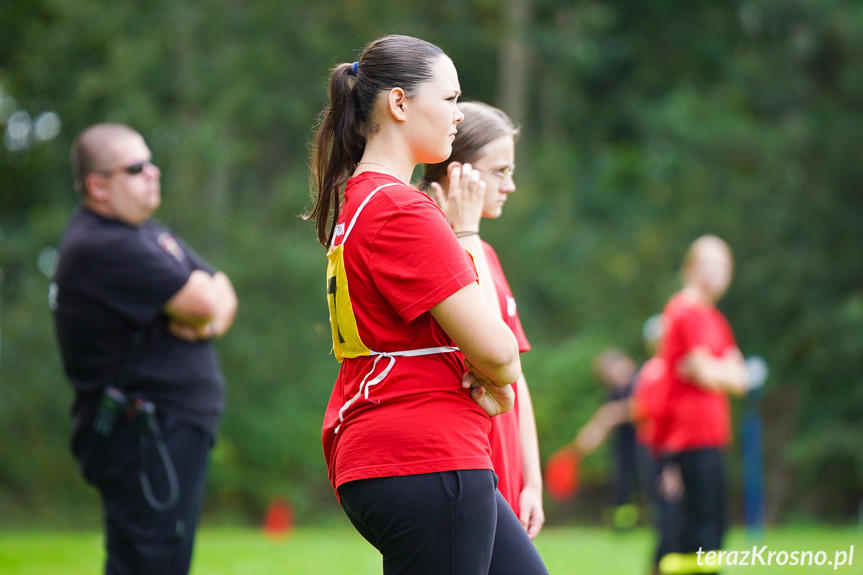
x=695 y=250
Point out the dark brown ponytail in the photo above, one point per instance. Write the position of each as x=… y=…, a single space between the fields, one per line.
x=340 y=140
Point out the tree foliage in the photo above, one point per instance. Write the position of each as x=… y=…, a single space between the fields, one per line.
x=644 y=125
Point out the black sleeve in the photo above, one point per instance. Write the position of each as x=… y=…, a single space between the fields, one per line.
x=135 y=276
x=159 y=231
x=198 y=263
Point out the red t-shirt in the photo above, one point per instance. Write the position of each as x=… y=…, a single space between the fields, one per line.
x=648 y=401
x=505 y=437
x=402 y=259
x=696 y=418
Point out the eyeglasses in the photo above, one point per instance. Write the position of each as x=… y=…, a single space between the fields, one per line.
x=503 y=174
x=131 y=169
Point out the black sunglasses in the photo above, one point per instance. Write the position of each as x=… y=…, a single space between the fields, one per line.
x=131 y=169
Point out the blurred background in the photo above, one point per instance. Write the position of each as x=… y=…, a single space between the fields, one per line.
x=644 y=125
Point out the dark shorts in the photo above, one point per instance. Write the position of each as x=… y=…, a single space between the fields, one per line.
x=453 y=522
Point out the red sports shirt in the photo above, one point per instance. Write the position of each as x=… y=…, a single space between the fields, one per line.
x=696 y=418
x=648 y=401
x=402 y=259
x=505 y=437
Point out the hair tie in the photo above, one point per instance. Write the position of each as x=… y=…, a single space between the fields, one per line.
x=354 y=68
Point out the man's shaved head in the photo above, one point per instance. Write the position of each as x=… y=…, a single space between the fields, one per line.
x=92 y=151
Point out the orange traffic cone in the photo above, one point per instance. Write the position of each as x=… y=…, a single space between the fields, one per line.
x=279 y=520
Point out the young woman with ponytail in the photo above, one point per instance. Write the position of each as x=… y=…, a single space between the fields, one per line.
x=405 y=433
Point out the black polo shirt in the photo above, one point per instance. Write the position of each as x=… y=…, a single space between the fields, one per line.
x=112 y=281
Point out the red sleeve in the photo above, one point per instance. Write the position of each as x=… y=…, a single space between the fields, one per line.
x=647 y=394
x=728 y=334
x=417 y=260
x=691 y=328
x=683 y=331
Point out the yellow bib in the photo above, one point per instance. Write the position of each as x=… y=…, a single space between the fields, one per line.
x=343 y=322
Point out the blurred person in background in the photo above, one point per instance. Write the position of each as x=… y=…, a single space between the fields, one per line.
x=635 y=407
x=486 y=141
x=702 y=366
x=617 y=371
x=662 y=483
x=135 y=311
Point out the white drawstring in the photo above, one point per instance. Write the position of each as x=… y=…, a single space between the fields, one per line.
x=365 y=385
x=391 y=355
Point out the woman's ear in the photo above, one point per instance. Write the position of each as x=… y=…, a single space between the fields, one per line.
x=396 y=100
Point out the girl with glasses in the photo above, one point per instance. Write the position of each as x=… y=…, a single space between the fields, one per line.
x=486 y=141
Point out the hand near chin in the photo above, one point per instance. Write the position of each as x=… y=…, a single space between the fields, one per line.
x=462 y=200
x=493 y=398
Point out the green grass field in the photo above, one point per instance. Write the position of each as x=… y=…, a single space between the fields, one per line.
x=223 y=551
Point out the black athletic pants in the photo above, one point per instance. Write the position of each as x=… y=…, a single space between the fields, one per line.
x=452 y=522
x=665 y=513
x=703 y=508
x=626 y=480
x=140 y=540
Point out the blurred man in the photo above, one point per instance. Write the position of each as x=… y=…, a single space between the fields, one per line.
x=134 y=311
